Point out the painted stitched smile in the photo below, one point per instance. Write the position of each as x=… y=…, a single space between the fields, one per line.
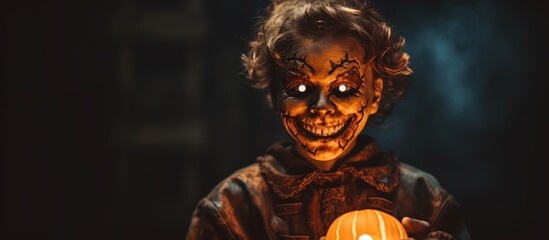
x=330 y=130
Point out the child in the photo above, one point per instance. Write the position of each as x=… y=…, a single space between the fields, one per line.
x=328 y=67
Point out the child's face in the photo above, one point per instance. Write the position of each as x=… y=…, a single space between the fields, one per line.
x=327 y=94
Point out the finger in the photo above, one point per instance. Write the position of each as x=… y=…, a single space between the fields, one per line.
x=415 y=226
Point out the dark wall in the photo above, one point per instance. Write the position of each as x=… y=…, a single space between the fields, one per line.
x=118 y=116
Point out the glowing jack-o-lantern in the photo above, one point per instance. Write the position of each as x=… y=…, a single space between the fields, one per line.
x=366 y=224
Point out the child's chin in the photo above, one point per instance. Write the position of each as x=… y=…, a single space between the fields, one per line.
x=327 y=154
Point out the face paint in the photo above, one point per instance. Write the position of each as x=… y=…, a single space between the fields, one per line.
x=324 y=102
x=341 y=63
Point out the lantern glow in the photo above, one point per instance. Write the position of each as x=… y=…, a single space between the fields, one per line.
x=368 y=224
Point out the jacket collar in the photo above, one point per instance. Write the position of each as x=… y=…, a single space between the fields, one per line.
x=288 y=175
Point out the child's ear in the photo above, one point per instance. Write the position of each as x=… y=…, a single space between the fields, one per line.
x=378 y=88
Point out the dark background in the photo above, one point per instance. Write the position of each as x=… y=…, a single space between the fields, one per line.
x=118 y=116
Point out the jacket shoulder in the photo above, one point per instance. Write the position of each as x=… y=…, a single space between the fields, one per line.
x=419 y=193
x=413 y=177
x=232 y=209
x=247 y=180
x=421 y=196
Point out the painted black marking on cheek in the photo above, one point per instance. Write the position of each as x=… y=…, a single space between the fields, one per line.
x=362 y=85
x=359 y=120
x=355 y=127
x=362 y=113
x=290 y=124
x=342 y=62
x=343 y=135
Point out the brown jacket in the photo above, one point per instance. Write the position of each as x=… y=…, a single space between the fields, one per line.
x=284 y=197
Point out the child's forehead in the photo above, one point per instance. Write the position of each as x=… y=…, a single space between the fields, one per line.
x=320 y=51
x=328 y=57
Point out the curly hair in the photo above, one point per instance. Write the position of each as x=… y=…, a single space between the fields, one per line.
x=286 y=22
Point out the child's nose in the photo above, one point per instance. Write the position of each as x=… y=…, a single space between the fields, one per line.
x=322 y=105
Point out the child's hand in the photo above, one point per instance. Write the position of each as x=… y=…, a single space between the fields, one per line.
x=415 y=227
x=420 y=230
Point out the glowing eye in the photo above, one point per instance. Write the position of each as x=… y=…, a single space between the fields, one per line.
x=301 y=88
x=342 y=88
x=365 y=237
